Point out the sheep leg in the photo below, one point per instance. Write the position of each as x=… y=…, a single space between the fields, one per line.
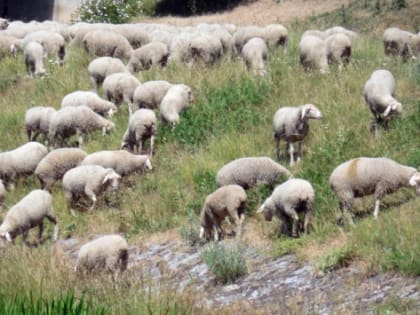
x=152 y=142
x=345 y=208
x=295 y=221
x=92 y=196
x=299 y=153
x=291 y=153
x=277 y=139
x=25 y=237
x=53 y=219
x=308 y=216
x=40 y=230
x=79 y=138
x=376 y=211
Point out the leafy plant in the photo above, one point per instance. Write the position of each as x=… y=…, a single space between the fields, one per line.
x=109 y=11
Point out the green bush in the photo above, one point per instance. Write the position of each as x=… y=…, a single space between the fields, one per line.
x=109 y=11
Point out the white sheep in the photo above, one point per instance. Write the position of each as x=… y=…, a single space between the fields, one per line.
x=255 y=54
x=338 y=49
x=88 y=180
x=91 y=100
x=28 y=213
x=141 y=127
x=313 y=52
x=37 y=121
x=80 y=120
x=151 y=54
x=379 y=92
x=291 y=124
x=101 y=67
x=243 y=34
x=397 y=42
x=109 y=253
x=106 y=43
x=275 y=35
x=178 y=97
x=365 y=176
x=52 y=42
x=136 y=35
x=206 y=48
x=340 y=30
x=286 y=202
x=6 y=42
x=150 y=94
x=34 y=55
x=56 y=163
x=179 y=50
x=226 y=201
x=251 y=171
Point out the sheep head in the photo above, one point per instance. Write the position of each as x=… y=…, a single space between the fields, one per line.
x=394 y=107
x=109 y=126
x=268 y=213
x=112 y=178
x=310 y=111
x=415 y=181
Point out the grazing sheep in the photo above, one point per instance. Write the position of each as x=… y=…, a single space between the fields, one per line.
x=34 y=55
x=151 y=54
x=255 y=53
x=175 y=100
x=365 y=176
x=243 y=34
x=316 y=33
x=150 y=94
x=136 y=35
x=275 y=35
x=121 y=161
x=141 y=126
x=251 y=171
x=21 y=161
x=29 y=212
x=313 y=52
x=56 y=163
x=107 y=43
x=37 y=121
x=397 y=43
x=88 y=180
x=379 y=95
x=338 y=49
x=6 y=42
x=207 y=48
x=340 y=30
x=291 y=124
x=109 y=253
x=91 y=100
x=52 y=42
x=179 y=50
x=80 y=120
x=226 y=201
x=287 y=201
x=102 y=67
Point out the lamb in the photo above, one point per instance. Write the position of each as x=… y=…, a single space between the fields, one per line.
x=226 y=201
x=176 y=99
x=292 y=125
x=56 y=163
x=397 y=42
x=28 y=213
x=20 y=161
x=313 y=52
x=78 y=120
x=37 y=121
x=255 y=53
x=151 y=54
x=206 y=48
x=88 y=180
x=379 y=95
x=34 y=55
x=141 y=127
x=150 y=94
x=287 y=201
x=338 y=49
x=109 y=253
x=249 y=172
x=102 y=67
x=365 y=176
x=121 y=161
x=91 y=100
x=106 y=43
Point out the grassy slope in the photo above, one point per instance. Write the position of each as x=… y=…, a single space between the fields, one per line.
x=231 y=117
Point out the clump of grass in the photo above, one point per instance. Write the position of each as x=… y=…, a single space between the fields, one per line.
x=336 y=259
x=189 y=231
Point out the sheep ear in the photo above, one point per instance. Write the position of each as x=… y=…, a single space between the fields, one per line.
x=387 y=111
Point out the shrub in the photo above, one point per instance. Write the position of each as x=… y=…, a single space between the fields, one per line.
x=108 y=11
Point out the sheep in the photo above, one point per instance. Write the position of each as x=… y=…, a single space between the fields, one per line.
x=6 y=42
x=88 y=180
x=229 y=200
x=121 y=161
x=56 y=163
x=175 y=100
x=34 y=55
x=106 y=43
x=28 y=213
x=292 y=125
x=365 y=176
x=78 y=120
x=101 y=67
x=340 y=30
x=179 y=50
x=379 y=92
x=20 y=161
x=91 y=100
x=151 y=54
x=255 y=53
x=108 y=252
x=316 y=33
x=207 y=48
x=53 y=43
x=120 y=87
x=275 y=35
x=141 y=126
x=243 y=34
x=397 y=42
x=135 y=34
x=313 y=52
x=37 y=121
x=286 y=202
x=251 y=171
x=338 y=49
x=150 y=94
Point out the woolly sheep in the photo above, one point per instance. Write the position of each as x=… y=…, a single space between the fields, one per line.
x=365 y=176
x=21 y=161
x=316 y=33
x=56 y=163
x=397 y=42
x=275 y=35
x=109 y=253
x=338 y=49
x=379 y=95
x=150 y=94
x=151 y=54
x=243 y=34
x=37 y=121
x=28 y=213
x=251 y=171
x=121 y=161
x=206 y=48
x=286 y=202
x=6 y=42
x=313 y=52
x=79 y=120
x=226 y=201
x=291 y=124
x=52 y=42
x=88 y=180
x=34 y=55
x=340 y=30
x=91 y=100
x=179 y=50
x=175 y=100
x=255 y=53
x=101 y=67
x=141 y=126
x=135 y=34
x=107 y=43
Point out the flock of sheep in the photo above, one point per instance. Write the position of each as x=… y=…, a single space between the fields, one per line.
x=155 y=45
